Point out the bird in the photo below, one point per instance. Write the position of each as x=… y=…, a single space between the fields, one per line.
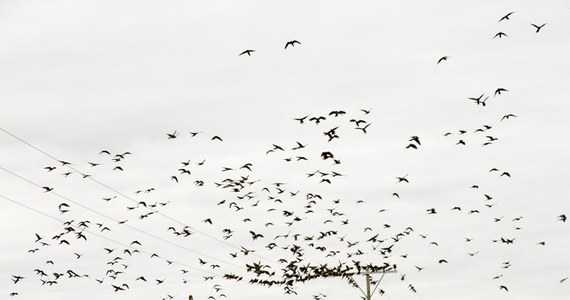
x=38 y=238
x=364 y=128
x=317 y=120
x=562 y=218
x=507 y=116
x=216 y=138
x=172 y=135
x=499 y=91
x=64 y=163
x=537 y=27
x=478 y=100
x=248 y=52
x=500 y=34
x=416 y=139
x=442 y=59
x=403 y=179
x=301 y=120
x=299 y=146
x=292 y=43
x=502 y=287
x=506 y=17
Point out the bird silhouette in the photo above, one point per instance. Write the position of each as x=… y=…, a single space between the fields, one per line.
x=500 y=90
x=507 y=116
x=172 y=135
x=442 y=59
x=538 y=28
x=506 y=17
x=292 y=43
x=500 y=34
x=248 y=52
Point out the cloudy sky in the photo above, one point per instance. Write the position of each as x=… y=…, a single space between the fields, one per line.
x=80 y=77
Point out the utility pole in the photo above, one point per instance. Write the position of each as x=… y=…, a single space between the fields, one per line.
x=368 y=293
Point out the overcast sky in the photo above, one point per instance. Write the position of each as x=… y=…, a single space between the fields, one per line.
x=80 y=77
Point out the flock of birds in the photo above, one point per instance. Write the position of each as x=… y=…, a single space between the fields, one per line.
x=306 y=251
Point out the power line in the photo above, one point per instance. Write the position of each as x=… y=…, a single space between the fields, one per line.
x=124 y=224
x=129 y=198
x=101 y=236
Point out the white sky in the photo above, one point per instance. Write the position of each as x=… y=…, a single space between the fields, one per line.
x=77 y=77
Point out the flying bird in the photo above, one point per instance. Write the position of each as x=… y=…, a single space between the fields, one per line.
x=506 y=17
x=499 y=91
x=500 y=34
x=442 y=59
x=403 y=178
x=537 y=27
x=292 y=43
x=317 y=120
x=506 y=117
x=248 y=52
x=172 y=135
